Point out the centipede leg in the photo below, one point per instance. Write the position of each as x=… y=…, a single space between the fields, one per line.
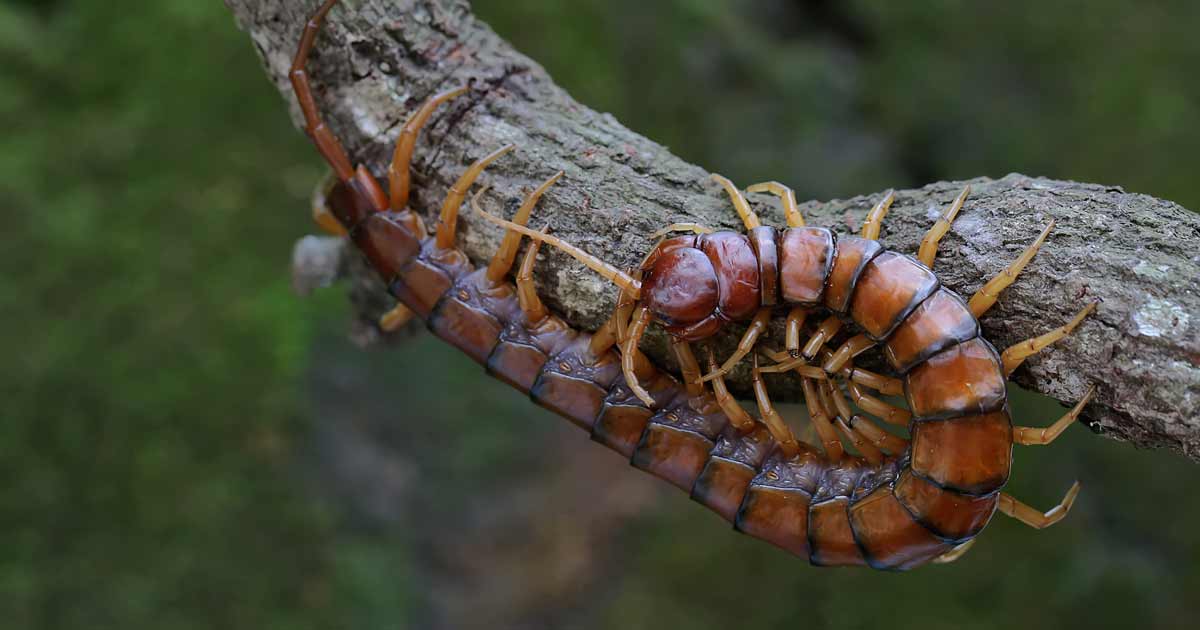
x=531 y=305
x=399 y=175
x=502 y=261
x=689 y=368
x=328 y=145
x=749 y=218
x=878 y=382
x=320 y=207
x=1040 y=436
x=786 y=196
x=955 y=553
x=775 y=424
x=824 y=333
x=694 y=228
x=756 y=328
x=392 y=320
x=792 y=329
x=887 y=412
x=1015 y=355
x=853 y=347
x=1031 y=516
x=929 y=244
x=986 y=296
x=874 y=220
x=878 y=435
x=616 y=328
x=737 y=416
x=821 y=417
x=629 y=355
x=448 y=219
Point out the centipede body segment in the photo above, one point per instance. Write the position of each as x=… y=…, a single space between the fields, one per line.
x=863 y=495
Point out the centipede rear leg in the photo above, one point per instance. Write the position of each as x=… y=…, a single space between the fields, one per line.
x=1031 y=516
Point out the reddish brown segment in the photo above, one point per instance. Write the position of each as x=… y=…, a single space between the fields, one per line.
x=971 y=454
x=889 y=536
x=681 y=287
x=853 y=254
x=891 y=286
x=775 y=507
x=830 y=536
x=949 y=515
x=574 y=384
x=731 y=467
x=939 y=322
x=386 y=243
x=736 y=267
x=623 y=418
x=805 y=258
x=764 y=238
x=963 y=379
x=678 y=440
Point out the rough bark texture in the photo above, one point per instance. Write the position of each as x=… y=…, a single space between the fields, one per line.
x=1137 y=255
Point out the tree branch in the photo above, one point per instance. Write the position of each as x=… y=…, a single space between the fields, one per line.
x=1139 y=256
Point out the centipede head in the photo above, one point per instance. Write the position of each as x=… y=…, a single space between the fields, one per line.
x=680 y=286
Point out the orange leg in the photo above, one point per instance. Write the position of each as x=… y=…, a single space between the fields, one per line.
x=535 y=311
x=955 y=553
x=689 y=368
x=1033 y=518
x=821 y=417
x=502 y=261
x=775 y=424
x=320 y=207
x=630 y=352
x=738 y=416
x=874 y=220
x=869 y=451
x=824 y=333
x=878 y=435
x=448 y=219
x=876 y=407
x=929 y=244
x=749 y=219
x=757 y=326
x=399 y=175
x=786 y=196
x=795 y=325
x=853 y=347
x=616 y=328
x=394 y=319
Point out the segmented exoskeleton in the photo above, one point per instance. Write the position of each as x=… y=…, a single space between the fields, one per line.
x=897 y=504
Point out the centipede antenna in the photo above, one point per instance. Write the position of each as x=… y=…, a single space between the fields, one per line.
x=616 y=276
x=694 y=228
x=787 y=197
x=448 y=219
x=749 y=219
x=874 y=220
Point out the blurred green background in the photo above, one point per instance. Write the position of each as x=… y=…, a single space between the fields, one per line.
x=185 y=444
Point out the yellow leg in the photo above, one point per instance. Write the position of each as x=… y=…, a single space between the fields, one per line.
x=853 y=347
x=502 y=261
x=929 y=244
x=874 y=220
x=822 y=420
x=738 y=416
x=1033 y=518
x=795 y=325
x=1029 y=436
x=889 y=413
x=986 y=296
x=825 y=332
x=320 y=206
x=864 y=446
x=394 y=319
x=878 y=382
x=786 y=196
x=613 y=331
x=688 y=367
x=749 y=219
x=775 y=424
x=753 y=331
x=878 y=436
x=630 y=352
x=955 y=553
x=448 y=219
x=1014 y=356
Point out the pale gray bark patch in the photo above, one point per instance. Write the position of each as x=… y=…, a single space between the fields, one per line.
x=1137 y=255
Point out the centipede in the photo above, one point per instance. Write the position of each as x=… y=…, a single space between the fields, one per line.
x=885 y=484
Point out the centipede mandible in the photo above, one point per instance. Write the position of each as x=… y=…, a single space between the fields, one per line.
x=884 y=485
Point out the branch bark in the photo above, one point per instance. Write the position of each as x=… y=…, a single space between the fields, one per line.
x=1139 y=256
